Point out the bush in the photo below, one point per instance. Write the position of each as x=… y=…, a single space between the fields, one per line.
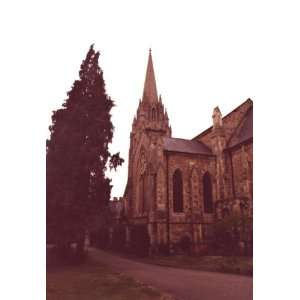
x=140 y=241
x=185 y=244
x=229 y=232
x=100 y=238
x=118 y=242
x=163 y=249
x=57 y=256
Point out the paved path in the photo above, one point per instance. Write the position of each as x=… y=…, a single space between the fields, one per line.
x=182 y=284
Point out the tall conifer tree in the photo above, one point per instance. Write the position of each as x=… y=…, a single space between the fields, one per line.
x=78 y=156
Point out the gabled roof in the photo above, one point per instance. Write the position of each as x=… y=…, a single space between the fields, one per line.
x=185 y=146
x=209 y=129
x=244 y=131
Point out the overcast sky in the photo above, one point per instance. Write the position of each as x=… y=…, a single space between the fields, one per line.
x=205 y=54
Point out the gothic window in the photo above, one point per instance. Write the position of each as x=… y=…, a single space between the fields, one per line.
x=142 y=193
x=153 y=114
x=207 y=193
x=177 y=192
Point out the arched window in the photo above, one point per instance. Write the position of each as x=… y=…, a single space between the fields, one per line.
x=153 y=114
x=207 y=193
x=142 y=194
x=177 y=192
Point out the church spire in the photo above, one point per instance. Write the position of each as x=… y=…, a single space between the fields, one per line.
x=150 y=91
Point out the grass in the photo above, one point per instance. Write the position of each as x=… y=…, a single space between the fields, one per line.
x=225 y=264
x=91 y=280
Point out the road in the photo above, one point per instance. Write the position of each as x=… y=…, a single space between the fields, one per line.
x=181 y=283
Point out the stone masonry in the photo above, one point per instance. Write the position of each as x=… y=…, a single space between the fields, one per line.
x=178 y=187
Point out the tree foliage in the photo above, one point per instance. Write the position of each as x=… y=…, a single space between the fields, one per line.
x=78 y=156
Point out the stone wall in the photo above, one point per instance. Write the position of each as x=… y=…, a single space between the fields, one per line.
x=230 y=172
x=188 y=223
x=242 y=162
x=189 y=165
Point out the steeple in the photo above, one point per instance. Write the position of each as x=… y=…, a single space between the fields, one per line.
x=151 y=115
x=150 y=91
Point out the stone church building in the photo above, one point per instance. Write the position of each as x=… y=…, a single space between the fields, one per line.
x=180 y=187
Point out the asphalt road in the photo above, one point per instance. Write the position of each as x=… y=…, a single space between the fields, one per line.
x=182 y=284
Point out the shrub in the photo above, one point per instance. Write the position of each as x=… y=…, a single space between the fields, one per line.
x=185 y=244
x=229 y=232
x=140 y=241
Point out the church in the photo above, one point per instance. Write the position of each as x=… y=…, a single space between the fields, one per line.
x=179 y=188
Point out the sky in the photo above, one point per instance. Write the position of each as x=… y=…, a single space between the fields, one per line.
x=205 y=53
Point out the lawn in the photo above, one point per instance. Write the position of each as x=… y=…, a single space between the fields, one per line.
x=92 y=280
x=226 y=264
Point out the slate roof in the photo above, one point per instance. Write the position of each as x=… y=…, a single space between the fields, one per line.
x=244 y=132
x=185 y=146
